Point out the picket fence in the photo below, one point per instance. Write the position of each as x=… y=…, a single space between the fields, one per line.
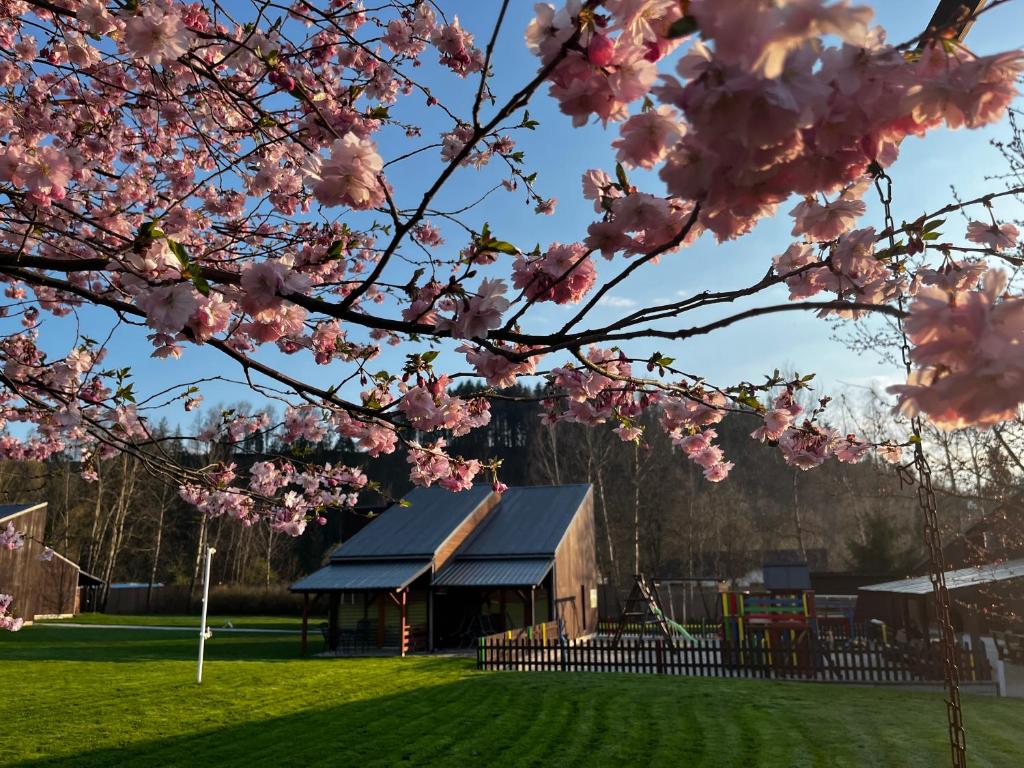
x=812 y=658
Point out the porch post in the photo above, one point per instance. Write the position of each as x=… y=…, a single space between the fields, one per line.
x=405 y=626
x=305 y=620
x=530 y=617
x=430 y=619
x=381 y=608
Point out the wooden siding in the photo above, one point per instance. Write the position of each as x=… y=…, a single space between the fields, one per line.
x=447 y=550
x=365 y=607
x=58 y=579
x=576 y=571
x=21 y=571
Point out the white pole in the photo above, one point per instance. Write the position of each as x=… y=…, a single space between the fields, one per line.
x=206 y=599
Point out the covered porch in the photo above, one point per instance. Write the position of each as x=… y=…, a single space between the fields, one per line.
x=485 y=596
x=372 y=607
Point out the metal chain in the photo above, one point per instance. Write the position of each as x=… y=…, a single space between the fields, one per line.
x=930 y=521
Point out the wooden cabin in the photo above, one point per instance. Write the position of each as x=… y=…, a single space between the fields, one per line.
x=440 y=569
x=40 y=587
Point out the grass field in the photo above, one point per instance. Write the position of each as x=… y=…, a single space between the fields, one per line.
x=100 y=697
x=215 y=621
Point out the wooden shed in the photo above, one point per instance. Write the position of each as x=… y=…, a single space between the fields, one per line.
x=442 y=568
x=41 y=587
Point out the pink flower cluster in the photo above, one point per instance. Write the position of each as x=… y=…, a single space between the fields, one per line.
x=10 y=538
x=429 y=408
x=769 y=109
x=350 y=175
x=7 y=621
x=497 y=369
x=851 y=271
x=286 y=497
x=431 y=464
x=563 y=274
x=968 y=349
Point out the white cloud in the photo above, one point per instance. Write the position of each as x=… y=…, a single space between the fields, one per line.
x=617 y=302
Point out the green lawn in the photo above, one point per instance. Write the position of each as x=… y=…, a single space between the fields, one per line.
x=99 y=697
x=214 y=621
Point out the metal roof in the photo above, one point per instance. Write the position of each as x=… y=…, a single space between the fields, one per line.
x=528 y=521
x=13 y=510
x=522 y=572
x=959 y=579
x=416 y=530
x=381 y=574
x=783 y=577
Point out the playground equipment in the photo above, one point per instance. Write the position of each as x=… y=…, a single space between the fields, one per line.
x=643 y=609
x=780 y=624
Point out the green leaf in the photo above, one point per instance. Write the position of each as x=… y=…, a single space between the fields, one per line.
x=334 y=252
x=933 y=225
x=687 y=25
x=150 y=231
x=198 y=280
x=179 y=251
x=500 y=246
x=620 y=174
x=430 y=356
x=750 y=401
x=379 y=113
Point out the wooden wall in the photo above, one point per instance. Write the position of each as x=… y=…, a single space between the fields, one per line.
x=447 y=550
x=58 y=594
x=576 y=571
x=355 y=607
x=40 y=588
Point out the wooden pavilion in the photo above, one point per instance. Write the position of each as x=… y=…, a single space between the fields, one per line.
x=441 y=568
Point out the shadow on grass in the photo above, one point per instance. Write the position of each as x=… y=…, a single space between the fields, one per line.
x=596 y=721
x=44 y=643
x=466 y=723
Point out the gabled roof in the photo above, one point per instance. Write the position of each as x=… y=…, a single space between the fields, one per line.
x=14 y=510
x=529 y=521
x=958 y=579
x=416 y=530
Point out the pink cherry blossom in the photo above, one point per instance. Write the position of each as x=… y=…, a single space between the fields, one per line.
x=157 y=34
x=350 y=175
x=168 y=308
x=647 y=137
x=481 y=312
x=10 y=538
x=993 y=236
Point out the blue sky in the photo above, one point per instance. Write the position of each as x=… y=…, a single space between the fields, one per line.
x=560 y=154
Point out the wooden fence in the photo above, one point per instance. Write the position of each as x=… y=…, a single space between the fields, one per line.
x=811 y=659
x=544 y=633
x=697 y=629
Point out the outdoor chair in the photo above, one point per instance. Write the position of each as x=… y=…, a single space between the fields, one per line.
x=364 y=635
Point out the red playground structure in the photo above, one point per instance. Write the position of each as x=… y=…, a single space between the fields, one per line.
x=778 y=626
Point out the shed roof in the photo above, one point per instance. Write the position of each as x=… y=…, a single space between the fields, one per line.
x=356 y=575
x=782 y=577
x=515 y=572
x=959 y=579
x=416 y=530
x=13 y=510
x=528 y=521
